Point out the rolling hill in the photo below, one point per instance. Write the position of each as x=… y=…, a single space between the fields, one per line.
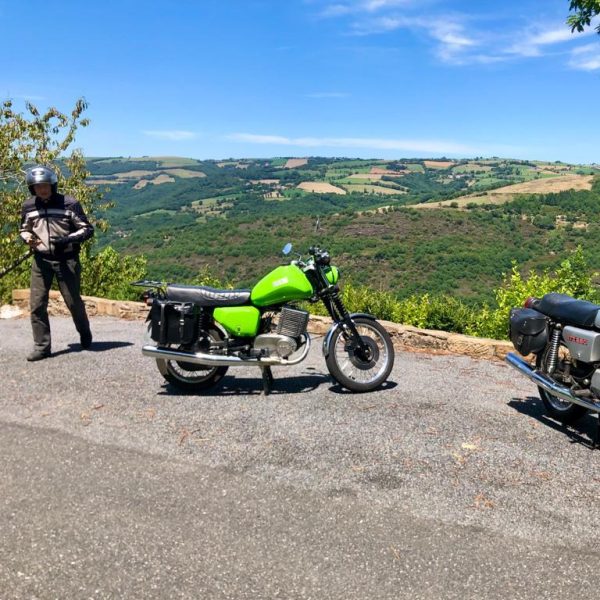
x=233 y=216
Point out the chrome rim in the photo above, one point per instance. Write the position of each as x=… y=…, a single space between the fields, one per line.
x=189 y=372
x=362 y=370
x=557 y=403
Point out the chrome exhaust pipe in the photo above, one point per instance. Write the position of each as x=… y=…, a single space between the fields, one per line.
x=548 y=384
x=218 y=360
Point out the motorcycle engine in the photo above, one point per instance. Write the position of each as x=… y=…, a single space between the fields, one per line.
x=275 y=344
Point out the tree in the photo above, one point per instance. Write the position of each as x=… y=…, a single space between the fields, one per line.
x=585 y=11
x=36 y=138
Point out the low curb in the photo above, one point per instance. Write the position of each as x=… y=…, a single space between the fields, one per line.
x=405 y=337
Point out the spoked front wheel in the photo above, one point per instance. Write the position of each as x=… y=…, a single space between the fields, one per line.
x=361 y=369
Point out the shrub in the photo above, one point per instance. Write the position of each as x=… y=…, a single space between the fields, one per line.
x=573 y=277
x=109 y=275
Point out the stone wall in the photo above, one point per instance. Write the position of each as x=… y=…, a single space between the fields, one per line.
x=94 y=306
x=403 y=336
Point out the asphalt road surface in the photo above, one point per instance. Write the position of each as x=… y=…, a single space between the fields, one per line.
x=448 y=483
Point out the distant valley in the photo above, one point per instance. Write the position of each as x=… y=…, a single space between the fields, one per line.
x=232 y=217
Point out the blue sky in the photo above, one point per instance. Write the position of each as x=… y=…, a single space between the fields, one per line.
x=360 y=78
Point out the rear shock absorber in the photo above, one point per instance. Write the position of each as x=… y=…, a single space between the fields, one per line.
x=203 y=324
x=553 y=352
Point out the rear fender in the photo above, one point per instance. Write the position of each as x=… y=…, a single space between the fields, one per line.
x=329 y=335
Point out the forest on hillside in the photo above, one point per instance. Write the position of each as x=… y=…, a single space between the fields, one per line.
x=230 y=223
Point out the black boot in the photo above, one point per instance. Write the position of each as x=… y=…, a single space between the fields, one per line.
x=86 y=340
x=38 y=355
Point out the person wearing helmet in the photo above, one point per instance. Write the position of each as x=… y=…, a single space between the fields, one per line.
x=54 y=226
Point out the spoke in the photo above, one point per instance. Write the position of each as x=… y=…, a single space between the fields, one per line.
x=347 y=366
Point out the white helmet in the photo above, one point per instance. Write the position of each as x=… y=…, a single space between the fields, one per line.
x=40 y=174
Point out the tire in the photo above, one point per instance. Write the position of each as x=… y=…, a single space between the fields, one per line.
x=561 y=410
x=361 y=373
x=191 y=377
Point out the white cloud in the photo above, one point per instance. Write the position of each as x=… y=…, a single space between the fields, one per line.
x=586 y=58
x=383 y=24
x=533 y=43
x=338 y=9
x=459 y=38
x=452 y=39
x=449 y=33
x=335 y=10
x=407 y=145
x=174 y=135
x=259 y=139
x=374 y=5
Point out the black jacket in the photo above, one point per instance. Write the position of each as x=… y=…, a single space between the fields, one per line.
x=58 y=216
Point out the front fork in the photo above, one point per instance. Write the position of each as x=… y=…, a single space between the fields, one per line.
x=349 y=323
x=342 y=318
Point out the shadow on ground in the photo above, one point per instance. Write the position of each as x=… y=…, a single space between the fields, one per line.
x=336 y=388
x=95 y=347
x=581 y=432
x=253 y=386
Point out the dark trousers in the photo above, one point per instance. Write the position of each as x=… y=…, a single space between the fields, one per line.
x=68 y=275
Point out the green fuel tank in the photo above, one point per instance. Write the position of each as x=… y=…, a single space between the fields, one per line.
x=283 y=284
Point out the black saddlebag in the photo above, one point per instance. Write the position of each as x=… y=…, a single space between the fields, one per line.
x=528 y=330
x=173 y=322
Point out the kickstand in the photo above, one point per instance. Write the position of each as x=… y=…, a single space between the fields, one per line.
x=267 y=377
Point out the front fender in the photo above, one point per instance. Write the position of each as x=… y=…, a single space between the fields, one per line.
x=329 y=335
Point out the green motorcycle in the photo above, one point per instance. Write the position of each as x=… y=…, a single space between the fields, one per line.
x=196 y=332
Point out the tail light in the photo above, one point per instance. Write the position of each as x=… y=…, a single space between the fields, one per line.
x=529 y=302
x=148 y=297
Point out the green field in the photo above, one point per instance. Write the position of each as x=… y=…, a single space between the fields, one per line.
x=224 y=221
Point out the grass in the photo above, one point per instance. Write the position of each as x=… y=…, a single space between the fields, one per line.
x=158 y=211
x=372 y=189
x=471 y=167
x=210 y=206
x=415 y=168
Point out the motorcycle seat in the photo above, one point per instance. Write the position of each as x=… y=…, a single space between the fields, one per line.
x=569 y=311
x=206 y=296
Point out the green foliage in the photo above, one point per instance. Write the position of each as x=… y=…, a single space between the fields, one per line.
x=445 y=313
x=225 y=220
x=207 y=277
x=108 y=275
x=585 y=10
x=361 y=298
x=24 y=140
x=36 y=138
x=448 y=313
x=573 y=277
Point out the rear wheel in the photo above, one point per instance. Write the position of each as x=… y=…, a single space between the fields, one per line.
x=191 y=377
x=557 y=408
x=361 y=370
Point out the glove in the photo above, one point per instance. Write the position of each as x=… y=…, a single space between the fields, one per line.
x=60 y=241
x=33 y=241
